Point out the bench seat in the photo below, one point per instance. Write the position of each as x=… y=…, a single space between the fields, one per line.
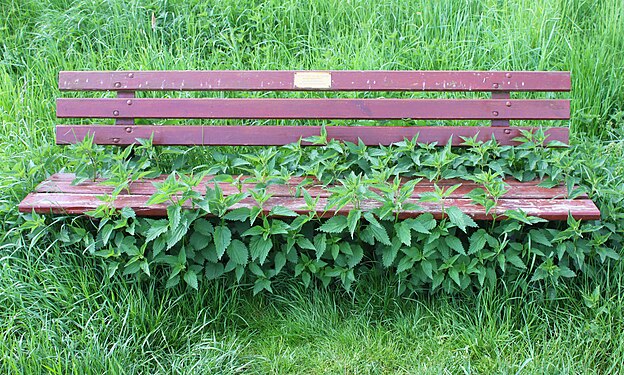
x=57 y=195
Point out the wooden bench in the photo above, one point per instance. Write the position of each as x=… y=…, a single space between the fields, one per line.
x=57 y=195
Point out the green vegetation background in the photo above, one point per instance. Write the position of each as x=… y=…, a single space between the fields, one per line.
x=57 y=315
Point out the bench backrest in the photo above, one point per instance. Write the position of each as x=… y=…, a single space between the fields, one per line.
x=499 y=108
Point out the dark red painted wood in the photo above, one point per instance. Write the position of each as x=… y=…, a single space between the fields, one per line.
x=550 y=209
x=366 y=109
x=62 y=183
x=506 y=95
x=340 y=81
x=281 y=135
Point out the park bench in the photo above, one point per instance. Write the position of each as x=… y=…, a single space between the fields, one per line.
x=57 y=195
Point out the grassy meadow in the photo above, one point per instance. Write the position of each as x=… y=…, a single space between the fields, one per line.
x=59 y=313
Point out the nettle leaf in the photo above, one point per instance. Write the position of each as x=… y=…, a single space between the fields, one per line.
x=222 y=238
x=213 y=270
x=405 y=264
x=427 y=268
x=174 y=215
x=335 y=224
x=190 y=277
x=320 y=245
x=353 y=220
x=280 y=261
x=283 y=211
x=237 y=252
x=455 y=244
x=460 y=219
x=238 y=214
x=477 y=241
x=204 y=227
x=156 y=228
x=403 y=232
x=259 y=248
x=305 y=243
x=356 y=257
x=538 y=236
x=389 y=253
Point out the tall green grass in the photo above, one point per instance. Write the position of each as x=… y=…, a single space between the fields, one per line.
x=59 y=314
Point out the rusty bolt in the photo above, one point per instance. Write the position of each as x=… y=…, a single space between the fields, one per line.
x=115 y=113
x=508 y=104
x=116 y=140
x=508 y=75
x=129 y=129
x=495 y=85
x=131 y=75
x=495 y=113
x=129 y=102
x=507 y=131
x=118 y=84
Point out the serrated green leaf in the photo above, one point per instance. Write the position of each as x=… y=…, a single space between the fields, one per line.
x=380 y=234
x=335 y=224
x=455 y=244
x=454 y=276
x=237 y=252
x=403 y=232
x=259 y=248
x=460 y=219
x=477 y=241
x=352 y=220
x=213 y=270
x=516 y=261
x=238 y=214
x=305 y=243
x=320 y=245
x=280 y=261
x=427 y=268
x=356 y=257
x=204 y=227
x=405 y=264
x=222 y=238
x=283 y=211
x=156 y=228
x=190 y=277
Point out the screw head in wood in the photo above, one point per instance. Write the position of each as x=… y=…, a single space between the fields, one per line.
x=116 y=140
x=507 y=131
x=495 y=113
x=118 y=84
x=508 y=104
x=115 y=113
x=508 y=75
x=130 y=75
x=129 y=102
x=128 y=129
x=495 y=85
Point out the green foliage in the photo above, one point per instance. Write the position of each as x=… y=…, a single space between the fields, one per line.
x=204 y=238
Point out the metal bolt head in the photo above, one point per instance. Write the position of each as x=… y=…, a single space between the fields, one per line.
x=118 y=84
x=131 y=75
x=128 y=129
x=495 y=85
x=495 y=113
x=508 y=75
x=115 y=113
x=116 y=140
x=129 y=102
x=507 y=131
x=508 y=104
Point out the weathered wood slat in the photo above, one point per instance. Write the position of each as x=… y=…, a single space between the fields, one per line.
x=303 y=81
x=316 y=108
x=62 y=183
x=550 y=209
x=281 y=135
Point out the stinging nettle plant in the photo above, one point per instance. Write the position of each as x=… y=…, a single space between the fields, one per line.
x=208 y=235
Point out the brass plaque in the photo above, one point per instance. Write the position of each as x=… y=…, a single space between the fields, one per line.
x=312 y=80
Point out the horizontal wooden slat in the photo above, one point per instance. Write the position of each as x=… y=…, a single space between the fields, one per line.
x=62 y=183
x=340 y=80
x=365 y=109
x=281 y=135
x=550 y=209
